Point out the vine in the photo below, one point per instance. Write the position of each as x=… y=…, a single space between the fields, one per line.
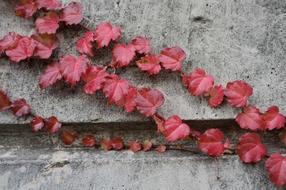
x=51 y=14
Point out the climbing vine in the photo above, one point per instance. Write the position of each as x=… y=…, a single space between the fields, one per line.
x=51 y=14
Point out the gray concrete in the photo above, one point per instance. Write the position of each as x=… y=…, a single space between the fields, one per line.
x=231 y=39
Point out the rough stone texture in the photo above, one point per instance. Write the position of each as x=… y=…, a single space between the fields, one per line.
x=231 y=39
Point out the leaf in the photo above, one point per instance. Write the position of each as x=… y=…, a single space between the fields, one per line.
x=84 y=44
x=117 y=143
x=20 y=108
x=250 y=118
x=72 y=13
x=211 y=142
x=26 y=8
x=105 y=32
x=9 y=41
x=68 y=136
x=216 y=96
x=276 y=167
x=37 y=123
x=147 y=145
x=48 y=23
x=250 y=149
x=23 y=50
x=129 y=99
x=134 y=146
x=148 y=100
x=172 y=58
x=88 y=140
x=198 y=82
x=106 y=144
x=115 y=88
x=45 y=44
x=94 y=78
x=237 y=93
x=175 y=129
x=51 y=75
x=5 y=102
x=49 y=4
x=52 y=124
x=273 y=119
x=141 y=45
x=161 y=148
x=149 y=63
x=72 y=68
x=122 y=55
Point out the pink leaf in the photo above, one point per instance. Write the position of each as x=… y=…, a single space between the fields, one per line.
x=20 y=108
x=148 y=100
x=117 y=143
x=52 y=124
x=9 y=41
x=72 y=13
x=45 y=44
x=250 y=118
x=47 y=24
x=49 y=4
x=250 y=149
x=51 y=75
x=161 y=148
x=84 y=44
x=175 y=129
x=128 y=100
x=216 y=96
x=172 y=58
x=26 y=8
x=237 y=93
x=94 y=78
x=122 y=55
x=24 y=49
x=141 y=45
x=276 y=167
x=5 y=102
x=37 y=123
x=198 y=82
x=88 y=140
x=73 y=67
x=273 y=119
x=149 y=63
x=105 y=32
x=211 y=142
x=134 y=146
x=147 y=145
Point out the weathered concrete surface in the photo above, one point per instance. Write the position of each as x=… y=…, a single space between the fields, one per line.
x=231 y=39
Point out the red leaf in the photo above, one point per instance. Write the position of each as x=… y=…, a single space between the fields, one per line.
x=88 y=140
x=117 y=143
x=49 y=4
x=147 y=145
x=52 y=124
x=175 y=129
x=24 y=49
x=106 y=144
x=161 y=148
x=149 y=63
x=5 y=102
x=73 y=67
x=141 y=45
x=160 y=121
x=20 y=108
x=37 y=123
x=48 y=23
x=237 y=93
x=198 y=82
x=216 y=96
x=211 y=142
x=9 y=41
x=94 y=78
x=276 y=167
x=72 y=13
x=134 y=146
x=250 y=118
x=172 y=58
x=105 y=32
x=273 y=119
x=45 y=44
x=128 y=100
x=148 y=100
x=122 y=55
x=250 y=149
x=26 y=8
x=84 y=44
x=115 y=88
x=68 y=136
x=51 y=75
